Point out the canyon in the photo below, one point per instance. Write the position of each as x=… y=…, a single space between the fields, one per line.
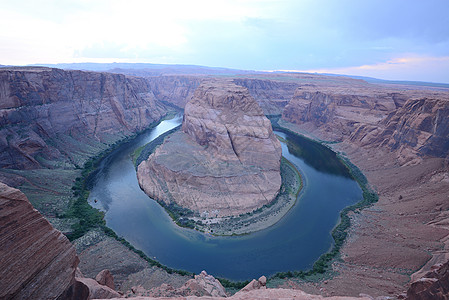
x=53 y=120
x=226 y=159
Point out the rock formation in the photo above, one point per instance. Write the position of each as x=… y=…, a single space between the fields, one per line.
x=105 y=278
x=337 y=112
x=177 y=90
x=36 y=260
x=50 y=114
x=419 y=128
x=271 y=94
x=226 y=160
x=373 y=117
x=433 y=286
x=201 y=285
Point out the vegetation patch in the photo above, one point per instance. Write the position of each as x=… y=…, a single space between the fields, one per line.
x=90 y=218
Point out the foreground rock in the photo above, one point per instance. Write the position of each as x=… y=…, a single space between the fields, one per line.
x=226 y=160
x=434 y=285
x=202 y=285
x=36 y=260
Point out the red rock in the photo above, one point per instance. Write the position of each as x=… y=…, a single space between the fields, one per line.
x=433 y=286
x=36 y=260
x=225 y=162
x=105 y=278
x=65 y=107
x=95 y=290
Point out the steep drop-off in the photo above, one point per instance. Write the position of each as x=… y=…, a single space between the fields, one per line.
x=37 y=261
x=226 y=160
x=50 y=114
x=272 y=95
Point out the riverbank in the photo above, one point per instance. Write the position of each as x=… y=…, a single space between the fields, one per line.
x=319 y=267
x=389 y=241
x=263 y=217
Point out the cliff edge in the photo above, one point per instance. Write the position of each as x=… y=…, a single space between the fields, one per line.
x=226 y=159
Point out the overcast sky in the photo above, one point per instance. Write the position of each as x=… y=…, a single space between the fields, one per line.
x=389 y=39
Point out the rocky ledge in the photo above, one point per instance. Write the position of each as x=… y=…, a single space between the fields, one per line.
x=226 y=159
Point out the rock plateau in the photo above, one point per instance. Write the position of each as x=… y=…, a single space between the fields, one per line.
x=226 y=159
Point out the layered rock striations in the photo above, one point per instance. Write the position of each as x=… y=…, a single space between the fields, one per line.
x=48 y=114
x=272 y=95
x=36 y=260
x=177 y=90
x=337 y=112
x=419 y=128
x=409 y=123
x=226 y=159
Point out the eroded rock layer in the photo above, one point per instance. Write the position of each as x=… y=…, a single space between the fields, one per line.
x=410 y=123
x=226 y=159
x=50 y=114
x=36 y=260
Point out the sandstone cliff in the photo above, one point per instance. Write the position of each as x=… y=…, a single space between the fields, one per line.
x=50 y=114
x=177 y=90
x=375 y=117
x=226 y=160
x=271 y=94
x=37 y=261
x=419 y=128
x=337 y=112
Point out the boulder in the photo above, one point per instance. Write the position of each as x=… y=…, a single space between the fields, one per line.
x=105 y=278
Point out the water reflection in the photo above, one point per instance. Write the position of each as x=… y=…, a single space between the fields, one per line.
x=294 y=243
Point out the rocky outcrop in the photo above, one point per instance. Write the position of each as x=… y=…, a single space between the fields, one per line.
x=88 y=288
x=226 y=160
x=105 y=278
x=376 y=118
x=434 y=285
x=201 y=285
x=337 y=113
x=36 y=260
x=419 y=128
x=51 y=114
x=261 y=283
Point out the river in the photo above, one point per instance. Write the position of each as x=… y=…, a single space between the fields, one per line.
x=294 y=243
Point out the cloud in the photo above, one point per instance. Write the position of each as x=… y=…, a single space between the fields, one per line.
x=247 y=34
x=415 y=68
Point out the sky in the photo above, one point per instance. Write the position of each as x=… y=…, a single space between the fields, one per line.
x=387 y=39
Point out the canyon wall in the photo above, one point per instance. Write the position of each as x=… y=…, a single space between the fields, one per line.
x=51 y=114
x=177 y=90
x=271 y=95
x=408 y=123
x=226 y=160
